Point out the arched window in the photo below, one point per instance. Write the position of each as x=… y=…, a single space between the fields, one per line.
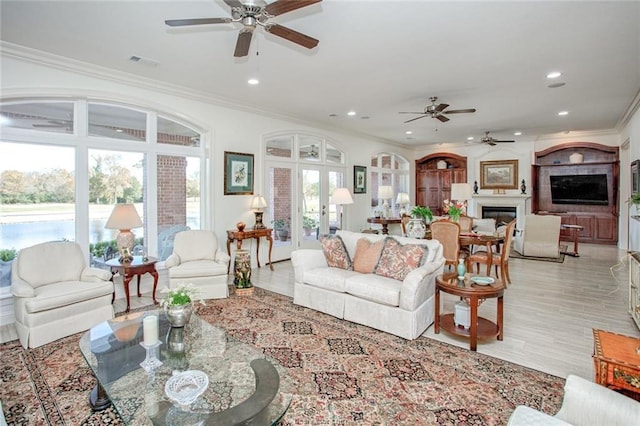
x=389 y=170
x=64 y=164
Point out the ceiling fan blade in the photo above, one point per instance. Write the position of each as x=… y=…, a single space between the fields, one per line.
x=442 y=118
x=460 y=111
x=233 y=3
x=491 y=143
x=196 y=21
x=414 y=119
x=292 y=35
x=440 y=107
x=283 y=6
x=243 y=43
x=410 y=112
x=497 y=141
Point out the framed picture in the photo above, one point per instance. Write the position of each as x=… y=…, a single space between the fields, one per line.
x=635 y=177
x=501 y=174
x=238 y=173
x=359 y=180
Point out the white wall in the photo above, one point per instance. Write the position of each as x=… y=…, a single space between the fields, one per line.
x=631 y=133
x=225 y=128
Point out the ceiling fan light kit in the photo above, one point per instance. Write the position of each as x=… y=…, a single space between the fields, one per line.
x=252 y=14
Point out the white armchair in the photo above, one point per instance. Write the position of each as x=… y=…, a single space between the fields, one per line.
x=585 y=403
x=540 y=236
x=56 y=294
x=198 y=259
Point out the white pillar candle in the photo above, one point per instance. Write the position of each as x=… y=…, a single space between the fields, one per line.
x=150 y=329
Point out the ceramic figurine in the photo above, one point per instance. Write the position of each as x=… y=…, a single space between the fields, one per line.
x=523 y=187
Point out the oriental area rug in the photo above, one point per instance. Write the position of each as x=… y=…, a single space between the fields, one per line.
x=345 y=374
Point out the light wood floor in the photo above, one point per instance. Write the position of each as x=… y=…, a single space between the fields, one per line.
x=550 y=309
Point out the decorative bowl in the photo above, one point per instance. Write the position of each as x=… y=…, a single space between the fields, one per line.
x=482 y=280
x=184 y=388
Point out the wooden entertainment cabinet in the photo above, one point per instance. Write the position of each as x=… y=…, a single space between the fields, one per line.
x=600 y=222
x=433 y=185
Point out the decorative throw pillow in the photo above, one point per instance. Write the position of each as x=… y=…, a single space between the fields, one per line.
x=335 y=252
x=397 y=260
x=367 y=255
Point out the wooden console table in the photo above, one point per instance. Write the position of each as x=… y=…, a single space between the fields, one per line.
x=616 y=360
x=238 y=236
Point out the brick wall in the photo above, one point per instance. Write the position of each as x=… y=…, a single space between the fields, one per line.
x=172 y=191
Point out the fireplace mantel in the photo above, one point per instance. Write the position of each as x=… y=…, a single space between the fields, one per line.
x=522 y=203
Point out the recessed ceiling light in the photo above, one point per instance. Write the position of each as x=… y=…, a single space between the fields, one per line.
x=351 y=113
x=556 y=85
x=554 y=74
x=563 y=113
x=517 y=133
x=470 y=138
x=253 y=81
x=408 y=132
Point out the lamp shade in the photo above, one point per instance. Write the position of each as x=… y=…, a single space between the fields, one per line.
x=258 y=202
x=341 y=196
x=385 y=192
x=461 y=191
x=403 y=198
x=124 y=216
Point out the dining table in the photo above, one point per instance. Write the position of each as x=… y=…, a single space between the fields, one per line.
x=470 y=239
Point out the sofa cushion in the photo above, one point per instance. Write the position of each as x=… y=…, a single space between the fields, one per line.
x=198 y=268
x=376 y=288
x=56 y=295
x=195 y=245
x=397 y=260
x=335 y=252
x=367 y=255
x=50 y=262
x=328 y=278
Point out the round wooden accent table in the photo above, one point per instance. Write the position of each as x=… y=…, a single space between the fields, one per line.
x=474 y=294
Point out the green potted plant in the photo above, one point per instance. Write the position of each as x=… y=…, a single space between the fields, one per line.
x=635 y=200
x=6 y=259
x=422 y=212
x=282 y=229
x=308 y=224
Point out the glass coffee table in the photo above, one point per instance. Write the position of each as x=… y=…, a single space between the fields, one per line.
x=245 y=387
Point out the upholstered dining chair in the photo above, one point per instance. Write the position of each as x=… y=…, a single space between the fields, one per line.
x=496 y=259
x=448 y=234
x=466 y=223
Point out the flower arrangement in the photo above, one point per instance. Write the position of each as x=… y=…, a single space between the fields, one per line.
x=181 y=295
x=454 y=210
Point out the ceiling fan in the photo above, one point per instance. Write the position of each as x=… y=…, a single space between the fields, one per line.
x=437 y=111
x=491 y=141
x=254 y=13
x=311 y=153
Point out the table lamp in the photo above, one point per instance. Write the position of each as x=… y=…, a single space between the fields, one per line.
x=403 y=200
x=340 y=197
x=257 y=204
x=461 y=192
x=385 y=192
x=124 y=217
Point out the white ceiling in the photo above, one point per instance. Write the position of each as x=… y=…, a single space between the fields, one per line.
x=375 y=57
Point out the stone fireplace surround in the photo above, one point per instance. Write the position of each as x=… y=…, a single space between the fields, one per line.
x=522 y=203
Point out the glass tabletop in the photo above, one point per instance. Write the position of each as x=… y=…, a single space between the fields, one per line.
x=239 y=392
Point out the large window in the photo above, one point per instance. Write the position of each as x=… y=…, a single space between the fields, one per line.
x=65 y=164
x=388 y=170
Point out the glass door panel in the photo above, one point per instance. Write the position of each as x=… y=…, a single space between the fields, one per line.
x=279 y=197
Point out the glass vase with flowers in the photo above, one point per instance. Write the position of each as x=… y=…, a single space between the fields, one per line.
x=454 y=210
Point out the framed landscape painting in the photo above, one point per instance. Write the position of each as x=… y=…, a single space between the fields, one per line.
x=501 y=174
x=359 y=180
x=238 y=173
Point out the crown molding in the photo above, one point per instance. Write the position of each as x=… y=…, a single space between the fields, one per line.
x=39 y=57
x=629 y=112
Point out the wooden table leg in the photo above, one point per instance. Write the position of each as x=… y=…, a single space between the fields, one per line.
x=126 y=279
x=139 y=294
x=229 y=253
x=270 y=239
x=473 y=343
x=436 y=319
x=155 y=285
x=499 y=319
x=98 y=399
x=258 y=250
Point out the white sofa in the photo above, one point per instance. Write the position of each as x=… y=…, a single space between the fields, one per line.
x=584 y=404
x=403 y=308
x=198 y=259
x=56 y=294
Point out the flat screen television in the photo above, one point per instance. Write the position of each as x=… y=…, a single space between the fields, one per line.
x=580 y=189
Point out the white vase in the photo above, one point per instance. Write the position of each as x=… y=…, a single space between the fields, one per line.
x=416 y=228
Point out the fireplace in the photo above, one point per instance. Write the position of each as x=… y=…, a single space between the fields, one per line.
x=502 y=214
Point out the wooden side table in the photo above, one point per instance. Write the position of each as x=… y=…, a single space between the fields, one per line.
x=238 y=236
x=475 y=294
x=574 y=231
x=616 y=361
x=137 y=267
x=385 y=222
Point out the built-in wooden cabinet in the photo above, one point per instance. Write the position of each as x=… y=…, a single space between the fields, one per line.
x=433 y=184
x=600 y=222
